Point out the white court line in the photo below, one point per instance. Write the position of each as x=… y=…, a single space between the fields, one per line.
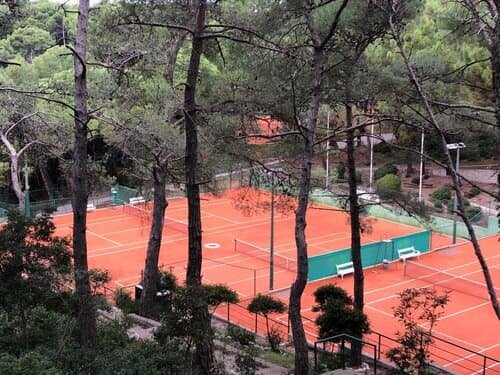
x=104 y=238
x=222 y=218
x=439 y=333
x=471 y=355
x=371 y=291
x=380 y=311
x=221 y=229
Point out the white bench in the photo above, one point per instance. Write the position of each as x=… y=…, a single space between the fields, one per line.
x=91 y=207
x=344 y=269
x=136 y=200
x=407 y=253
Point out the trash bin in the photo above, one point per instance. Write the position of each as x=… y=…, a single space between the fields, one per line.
x=138 y=291
x=385 y=264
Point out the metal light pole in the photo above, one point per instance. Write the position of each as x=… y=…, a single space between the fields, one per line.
x=327 y=172
x=421 y=167
x=456 y=146
x=271 y=245
x=371 y=158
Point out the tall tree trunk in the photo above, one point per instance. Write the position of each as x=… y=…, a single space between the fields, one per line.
x=47 y=180
x=299 y=337
x=355 y=230
x=14 y=172
x=86 y=313
x=495 y=69
x=16 y=183
x=150 y=279
x=449 y=162
x=308 y=135
x=201 y=316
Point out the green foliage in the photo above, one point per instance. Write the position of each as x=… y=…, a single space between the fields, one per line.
x=340 y=172
x=241 y=335
x=418 y=308
x=442 y=194
x=167 y=281
x=473 y=213
x=113 y=335
x=474 y=191
x=331 y=292
x=34 y=263
x=124 y=301
x=383 y=148
x=385 y=170
x=245 y=361
x=178 y=321
x=266 y=305
x=218 y=294
x=337 y=314
x=388 y=186
x=28 y=363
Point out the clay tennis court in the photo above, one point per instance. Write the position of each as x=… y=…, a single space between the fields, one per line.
x=117 y=240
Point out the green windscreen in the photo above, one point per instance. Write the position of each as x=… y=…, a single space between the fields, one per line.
x=324 y=265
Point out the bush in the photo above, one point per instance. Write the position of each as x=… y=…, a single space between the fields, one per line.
x=385 y=170
x=125 y=301
x=415 y=180
x=388 y=185
x=246 y=363
x=474 y=191
x=242 y=336
x=474 y=213
x=383 y=148
x=442 y=194
x=340 y=172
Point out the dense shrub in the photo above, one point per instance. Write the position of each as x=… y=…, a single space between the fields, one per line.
x=474 y=191
x=383 y=148
x=388 y=185
x=474 y=213
x=385 y=170
x=442 y=194
x=242 y=336
x=340 y=172
x=125 y=301
x=415 y=180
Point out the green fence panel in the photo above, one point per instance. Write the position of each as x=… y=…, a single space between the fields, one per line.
x=125 y=193
x=374 y=253
x=324 y=265
x=420 y=241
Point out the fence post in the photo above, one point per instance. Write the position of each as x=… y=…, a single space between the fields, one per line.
x=342 y=352
x=379 y=344
x=256 y=317
x=228 y=317
x=316 y=356
x=484 y=365
x=375 y=360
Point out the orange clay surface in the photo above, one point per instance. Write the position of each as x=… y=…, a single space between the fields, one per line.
x=117 y=242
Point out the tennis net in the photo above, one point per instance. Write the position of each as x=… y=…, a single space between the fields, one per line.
x=447 y=280
x=279 y=261
x=134 y=210
x=145 y=214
